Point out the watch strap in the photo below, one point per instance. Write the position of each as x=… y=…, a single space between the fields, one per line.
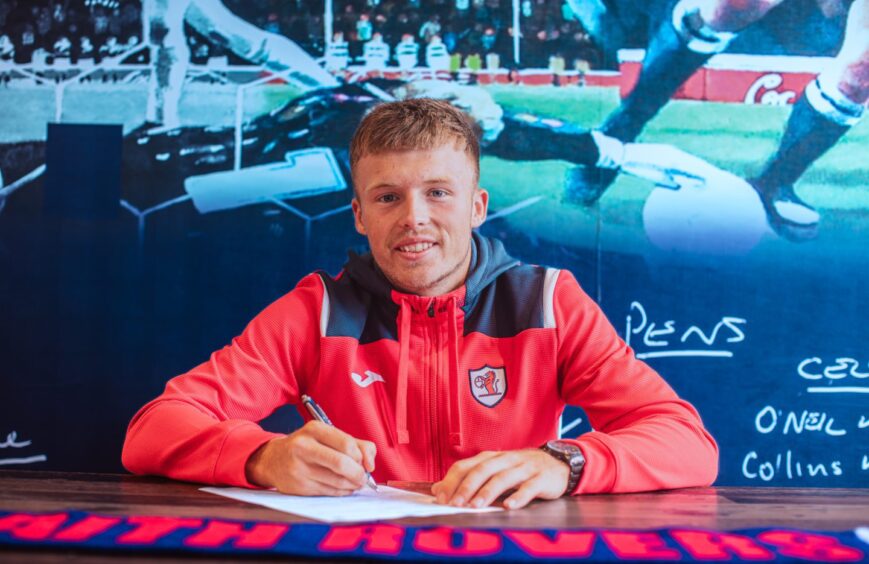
x=571 y=455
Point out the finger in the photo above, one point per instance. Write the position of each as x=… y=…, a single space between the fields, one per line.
x=328 y=476
x=529 y=490
x=457 y=473
x=318 y=454
x=445 y=489
x=335 y=439
x=302 y=483
x=500 y=483
x=474 y=479
x=369 y=452
x=325 y=487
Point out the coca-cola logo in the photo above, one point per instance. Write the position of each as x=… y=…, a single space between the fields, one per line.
x=763 y=91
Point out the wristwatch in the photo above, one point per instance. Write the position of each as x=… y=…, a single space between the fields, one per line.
x=571 y=455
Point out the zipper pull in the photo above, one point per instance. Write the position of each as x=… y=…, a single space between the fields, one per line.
x=431 y=310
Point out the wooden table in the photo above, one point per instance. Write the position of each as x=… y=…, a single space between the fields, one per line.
x=713 y=508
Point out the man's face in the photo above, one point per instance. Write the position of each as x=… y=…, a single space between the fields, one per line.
x=417 y=209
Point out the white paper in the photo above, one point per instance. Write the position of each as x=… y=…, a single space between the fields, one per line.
x=364 y=505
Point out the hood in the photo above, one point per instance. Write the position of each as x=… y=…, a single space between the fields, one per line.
x=488 y=261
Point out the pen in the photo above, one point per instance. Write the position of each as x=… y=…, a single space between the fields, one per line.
x=317 y=413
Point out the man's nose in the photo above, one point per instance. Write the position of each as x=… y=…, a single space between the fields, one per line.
x=415 y=211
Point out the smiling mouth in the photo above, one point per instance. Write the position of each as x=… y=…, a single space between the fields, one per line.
x=416 y=247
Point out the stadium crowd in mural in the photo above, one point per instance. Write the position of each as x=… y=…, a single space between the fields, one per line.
x=93 y=29
x=475 y=34
x=90 y=29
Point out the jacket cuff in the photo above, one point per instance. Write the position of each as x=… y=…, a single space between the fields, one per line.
x=238 y=446
x=599 y=473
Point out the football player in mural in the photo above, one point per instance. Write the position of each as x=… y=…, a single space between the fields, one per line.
x=326 y=118
x=159 y=159
x=694 y=31
x=529 y=137
x=171 y=55
x=324 y=115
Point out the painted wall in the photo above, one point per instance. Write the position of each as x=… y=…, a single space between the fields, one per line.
x=155 y=198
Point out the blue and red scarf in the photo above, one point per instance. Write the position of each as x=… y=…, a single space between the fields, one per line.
x=386 y=541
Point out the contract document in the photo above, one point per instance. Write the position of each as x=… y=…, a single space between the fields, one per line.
x=364 y=505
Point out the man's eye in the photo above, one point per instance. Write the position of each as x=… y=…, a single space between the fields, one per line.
x=438 y=193
x=387 y=198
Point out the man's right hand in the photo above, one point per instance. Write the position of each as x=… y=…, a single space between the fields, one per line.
x=314 y=460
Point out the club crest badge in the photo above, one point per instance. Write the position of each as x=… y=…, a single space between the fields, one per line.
x=488 y=384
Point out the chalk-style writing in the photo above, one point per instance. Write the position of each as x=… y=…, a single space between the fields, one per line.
x=692 y=341
x=816 y=369
x=768 y=418
x=13 y=442
x=863 y=423
x=864 y=464
x=836 y=377
x=566 y=427
x=756 y=467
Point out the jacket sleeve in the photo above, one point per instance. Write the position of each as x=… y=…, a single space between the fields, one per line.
x=644 y=437
x=203 y=428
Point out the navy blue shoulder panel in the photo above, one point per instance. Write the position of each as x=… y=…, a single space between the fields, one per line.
x=511 y=304
x=351 y=313
x=505 y=308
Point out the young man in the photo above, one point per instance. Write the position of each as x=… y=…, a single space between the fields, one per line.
x=437 y=356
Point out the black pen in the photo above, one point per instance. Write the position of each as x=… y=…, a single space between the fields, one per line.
x=317 y=413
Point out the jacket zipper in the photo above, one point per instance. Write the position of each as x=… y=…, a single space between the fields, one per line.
x=433 y=372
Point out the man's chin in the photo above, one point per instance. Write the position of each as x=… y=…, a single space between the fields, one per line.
x=418 y=282
x=414 y=286
x=421 y=278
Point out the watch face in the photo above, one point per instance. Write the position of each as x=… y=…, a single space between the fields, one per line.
x=568 y=452
x=562 y=447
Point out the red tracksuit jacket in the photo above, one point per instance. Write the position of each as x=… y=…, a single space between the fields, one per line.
x=430 y=381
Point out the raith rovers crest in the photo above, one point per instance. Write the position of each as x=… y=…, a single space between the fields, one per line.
x=488 y=384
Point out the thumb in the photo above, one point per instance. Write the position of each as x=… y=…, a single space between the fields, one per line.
x=369 y=452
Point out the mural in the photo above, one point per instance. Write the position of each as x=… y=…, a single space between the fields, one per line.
x=167 y=169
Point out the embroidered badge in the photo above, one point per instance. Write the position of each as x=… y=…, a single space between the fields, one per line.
x=488 y=384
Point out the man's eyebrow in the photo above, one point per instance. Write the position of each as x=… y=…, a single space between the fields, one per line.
x=388 y=185
x=381 y=185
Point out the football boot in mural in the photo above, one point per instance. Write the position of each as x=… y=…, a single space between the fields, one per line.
x=787 y=213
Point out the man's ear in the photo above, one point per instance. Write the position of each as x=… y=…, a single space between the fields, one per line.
x=480 y=207
x=357 y=217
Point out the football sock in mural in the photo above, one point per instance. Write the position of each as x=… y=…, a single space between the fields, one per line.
x=818 y=120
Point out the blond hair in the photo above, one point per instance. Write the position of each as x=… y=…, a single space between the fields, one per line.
x=412 y=125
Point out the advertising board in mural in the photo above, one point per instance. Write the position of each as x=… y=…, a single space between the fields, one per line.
x=698 y=166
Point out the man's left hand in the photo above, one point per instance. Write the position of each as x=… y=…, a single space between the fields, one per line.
x=480 y=480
